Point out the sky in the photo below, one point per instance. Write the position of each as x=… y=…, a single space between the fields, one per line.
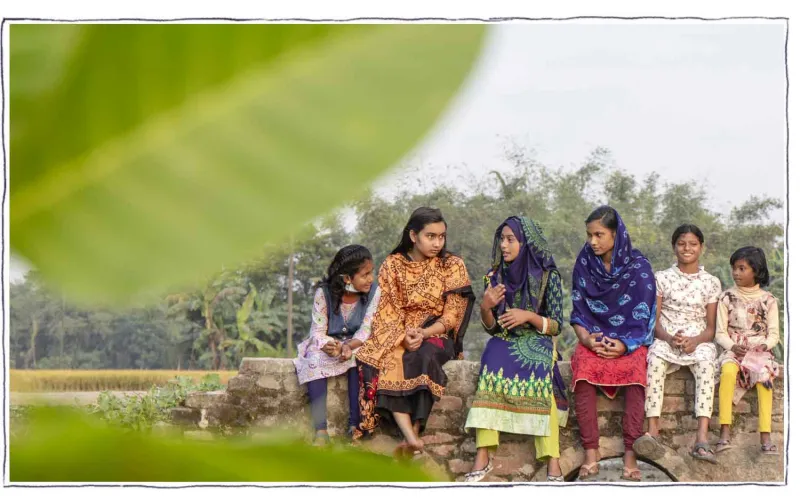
x=689 y=100
x=700 y=100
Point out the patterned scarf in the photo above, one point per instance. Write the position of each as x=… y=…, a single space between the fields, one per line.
x=523 y=276
x=620 y=304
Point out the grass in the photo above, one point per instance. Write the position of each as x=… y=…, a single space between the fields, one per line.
x=36 y=381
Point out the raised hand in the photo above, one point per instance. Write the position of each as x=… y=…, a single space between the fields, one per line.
x=493 y=296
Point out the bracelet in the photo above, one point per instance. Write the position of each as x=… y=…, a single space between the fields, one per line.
x=544 y=325
x=488 y=327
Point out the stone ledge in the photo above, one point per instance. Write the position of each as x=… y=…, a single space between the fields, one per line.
x=266 y=394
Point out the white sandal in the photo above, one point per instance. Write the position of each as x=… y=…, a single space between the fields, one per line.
x=478 y=475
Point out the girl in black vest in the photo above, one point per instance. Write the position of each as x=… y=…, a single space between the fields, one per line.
x=344 y=305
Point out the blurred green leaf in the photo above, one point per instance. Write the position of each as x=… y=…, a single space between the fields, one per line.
x=151 y=154
x=65 y=446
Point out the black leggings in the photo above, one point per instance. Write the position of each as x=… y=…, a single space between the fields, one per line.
x=318 y=394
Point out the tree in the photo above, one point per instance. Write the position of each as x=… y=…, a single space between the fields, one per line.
x=245 y=311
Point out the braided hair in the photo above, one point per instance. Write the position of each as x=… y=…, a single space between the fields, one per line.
x=347 y=261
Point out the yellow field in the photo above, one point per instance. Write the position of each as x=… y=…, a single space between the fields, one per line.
x=99 y=380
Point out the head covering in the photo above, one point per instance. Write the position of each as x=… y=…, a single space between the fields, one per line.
x=523 y=276
x=620 y=303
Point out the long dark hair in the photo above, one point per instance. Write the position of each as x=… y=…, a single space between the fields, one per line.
x=420 y=218
x=757 y=260
x=347 y=261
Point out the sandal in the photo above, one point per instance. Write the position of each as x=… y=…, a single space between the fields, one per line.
x=478 y=475
x=589 y=470
x=554 y=478
x=630 y=474
x=769 y=449
x=708 y=456
x=649 y=447
x=723 y=445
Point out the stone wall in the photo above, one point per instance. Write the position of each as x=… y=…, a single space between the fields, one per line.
x=265 y=394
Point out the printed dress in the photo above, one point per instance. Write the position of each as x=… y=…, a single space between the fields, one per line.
x=413 y=294
x=519 y=375
x=748 y=316
x=311 y=362
x=684 y=298
x=620 y=304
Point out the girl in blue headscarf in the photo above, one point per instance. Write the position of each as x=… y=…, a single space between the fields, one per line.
x=520 y=389
x=613 y=314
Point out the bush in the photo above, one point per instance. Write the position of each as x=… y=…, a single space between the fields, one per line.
x=141 y=412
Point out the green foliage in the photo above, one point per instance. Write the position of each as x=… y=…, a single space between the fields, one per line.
x=560 y=200
x=173 y=148
x=141 y=412
x=210 y=327
x=62 y=445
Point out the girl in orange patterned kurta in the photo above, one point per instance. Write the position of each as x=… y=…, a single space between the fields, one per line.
x=425 y=303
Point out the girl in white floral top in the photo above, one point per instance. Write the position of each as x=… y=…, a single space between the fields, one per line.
x=686 y=303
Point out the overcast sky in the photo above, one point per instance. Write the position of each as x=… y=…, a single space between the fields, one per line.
x=702 y=100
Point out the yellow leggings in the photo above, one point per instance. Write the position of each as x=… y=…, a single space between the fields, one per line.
x=545 y=446
x=727 y=383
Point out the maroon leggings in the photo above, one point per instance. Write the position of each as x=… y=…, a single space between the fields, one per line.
x=586 y=412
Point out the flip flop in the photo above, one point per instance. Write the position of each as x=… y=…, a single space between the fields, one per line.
x=649 y=447
x=769 y=449
x=723 y=445
x=709 y=456
x=589 y=470
x=628 y=474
